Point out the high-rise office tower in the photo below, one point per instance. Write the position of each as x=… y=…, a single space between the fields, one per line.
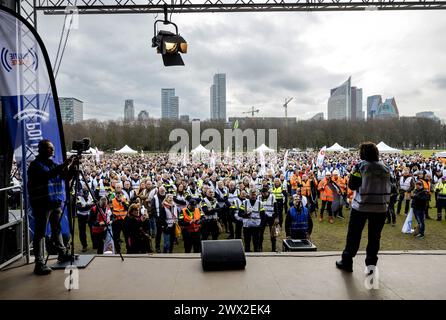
x=345 y=102
x=129 y=111
x=169 y=104
x=71 y=110
x=373 y=103
x=339 y=103
x=218 y=97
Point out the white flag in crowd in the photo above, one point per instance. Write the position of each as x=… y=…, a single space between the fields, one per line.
x=285 y=162
x=321 y=156
x=185 y=157
x=212 y=161
x=407 y=226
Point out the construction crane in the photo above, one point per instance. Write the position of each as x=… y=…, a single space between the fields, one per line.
x=285 y=105
x=252 y=111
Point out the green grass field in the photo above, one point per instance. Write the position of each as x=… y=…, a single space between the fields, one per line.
x=331 y=237
x=425 y=153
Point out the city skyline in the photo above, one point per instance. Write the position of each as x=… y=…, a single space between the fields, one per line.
x=303 y=66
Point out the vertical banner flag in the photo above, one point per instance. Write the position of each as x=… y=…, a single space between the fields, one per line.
x=212 y=160
x=321 y=156
x=262 y=163
x=228 y=156
x=185 y=157
x=28 y=98
x=98 y=158
x=285 y=162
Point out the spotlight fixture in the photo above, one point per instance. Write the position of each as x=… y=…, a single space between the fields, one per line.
x=169 y=44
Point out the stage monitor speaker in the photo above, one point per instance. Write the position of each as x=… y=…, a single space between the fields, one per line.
x=298 y=245
x=222 y=255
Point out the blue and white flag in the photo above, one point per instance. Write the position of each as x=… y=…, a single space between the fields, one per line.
x=28 y=97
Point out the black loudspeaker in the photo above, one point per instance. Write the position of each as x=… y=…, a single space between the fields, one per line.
x=298 y=245
x=222 y=255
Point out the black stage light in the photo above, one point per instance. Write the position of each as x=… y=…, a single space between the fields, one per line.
x=169 y=45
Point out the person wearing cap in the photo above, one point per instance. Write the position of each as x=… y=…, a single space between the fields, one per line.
x=406 y=186
x=419 y=203
x=268 y=201
x=253 y=214
x=326 y=191
x=190 y=221
x=440 y=190
x=298 y=222
x=370 y=179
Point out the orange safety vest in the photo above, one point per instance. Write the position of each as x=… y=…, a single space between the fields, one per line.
x=193 y=227
x=306 y=188
x=118 y=209
x=326 y=192
x=341 y=183
x=426 y=186
x=294 y=180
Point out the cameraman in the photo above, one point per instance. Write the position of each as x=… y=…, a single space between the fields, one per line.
x=46 y=193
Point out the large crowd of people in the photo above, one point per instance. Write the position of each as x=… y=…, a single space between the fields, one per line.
x=153 y=201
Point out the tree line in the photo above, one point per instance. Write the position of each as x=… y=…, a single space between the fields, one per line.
x=153 y=134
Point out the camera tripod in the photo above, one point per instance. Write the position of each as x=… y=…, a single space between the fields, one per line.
x=76 y=183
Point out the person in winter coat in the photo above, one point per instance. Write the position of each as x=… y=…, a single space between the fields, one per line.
x=298 y=222
x=420 y=198
x=168 y=219
x=370 y=180
x=132 y=230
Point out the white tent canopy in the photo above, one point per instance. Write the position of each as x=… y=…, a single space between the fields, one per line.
x=263 y=148
x=200 y=149
x=441 y=154
x=336 y=148
x=126 y=150
x=384 y=148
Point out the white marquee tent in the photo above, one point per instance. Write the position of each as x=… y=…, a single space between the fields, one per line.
x=336 y=148
x=441 y=154
x=90 y=151
x=126 y=150
x=199 y=149
x=263 y=148
x=384 y=148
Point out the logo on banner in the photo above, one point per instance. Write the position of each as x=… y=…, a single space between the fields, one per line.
x=32 y=113
x=12 y=59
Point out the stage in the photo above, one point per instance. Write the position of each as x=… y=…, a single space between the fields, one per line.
x=311 y=275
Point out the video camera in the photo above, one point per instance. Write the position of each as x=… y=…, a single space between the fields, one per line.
x=81 y=146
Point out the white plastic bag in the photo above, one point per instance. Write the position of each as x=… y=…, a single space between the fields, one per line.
x=407 y=226
x=109 y=245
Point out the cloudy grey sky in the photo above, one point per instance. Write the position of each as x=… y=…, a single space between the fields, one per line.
x=266 y=57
